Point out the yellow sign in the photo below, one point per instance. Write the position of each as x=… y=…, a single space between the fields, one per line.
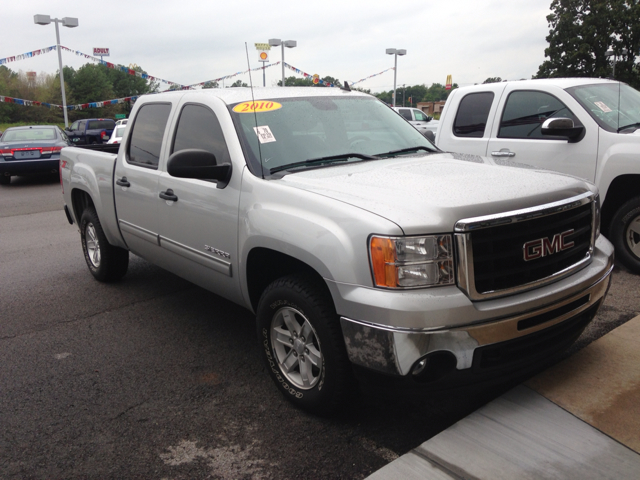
x=264 y=57
x=449 y=82
x=263 y=106
x=262 y=46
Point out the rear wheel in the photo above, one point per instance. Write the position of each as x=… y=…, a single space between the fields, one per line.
x=302 y=344
x=105 y=261
x=625 y=234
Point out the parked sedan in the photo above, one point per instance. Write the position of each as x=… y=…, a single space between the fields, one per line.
x=118 y=132
x=30 y=150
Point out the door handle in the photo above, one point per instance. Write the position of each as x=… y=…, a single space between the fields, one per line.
x=169 y=195
x=504 y=152
x=123 y=182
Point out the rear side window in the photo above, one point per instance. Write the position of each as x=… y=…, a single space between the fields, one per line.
x=101 y=124
x=198 y=127
x=145 y=140
x=405 y=112
x=526 y=111
x=473 y=112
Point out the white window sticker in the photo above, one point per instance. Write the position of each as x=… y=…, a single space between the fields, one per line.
x=264 y=134
x=603 y=106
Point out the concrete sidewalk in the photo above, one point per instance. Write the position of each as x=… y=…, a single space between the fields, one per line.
x=578 y=420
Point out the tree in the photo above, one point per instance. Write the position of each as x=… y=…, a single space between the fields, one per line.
x=211 y=85
x=493 y=80
x=581 y=32
x=238 y=83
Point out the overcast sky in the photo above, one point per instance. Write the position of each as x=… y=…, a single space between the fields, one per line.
x=187 y=41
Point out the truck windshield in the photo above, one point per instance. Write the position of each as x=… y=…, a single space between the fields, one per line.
x=615 y=106
x=290 y=131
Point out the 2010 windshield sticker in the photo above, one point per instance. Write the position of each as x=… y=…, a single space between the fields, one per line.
x=250 y=107
x=264 y=134
x=603 y=106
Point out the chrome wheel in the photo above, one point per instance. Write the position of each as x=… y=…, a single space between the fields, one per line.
x=93 y=245
x=296 y=348
x=633 y=236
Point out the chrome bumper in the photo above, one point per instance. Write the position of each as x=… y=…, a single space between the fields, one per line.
x=397 y=350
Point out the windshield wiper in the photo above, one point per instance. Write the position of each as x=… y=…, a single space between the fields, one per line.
x=343 y=157
x=405 y=150
x=637 y=125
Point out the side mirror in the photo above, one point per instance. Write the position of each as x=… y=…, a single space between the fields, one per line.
x=68 y=129
x=199 y=164
x=430 y=136
x=563 y=127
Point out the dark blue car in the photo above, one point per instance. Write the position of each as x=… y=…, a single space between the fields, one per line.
x=30 y=150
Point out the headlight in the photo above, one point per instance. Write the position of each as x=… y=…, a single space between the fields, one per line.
x=411 y=262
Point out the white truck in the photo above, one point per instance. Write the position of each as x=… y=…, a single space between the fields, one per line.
x=358 y=245
x=581 y=126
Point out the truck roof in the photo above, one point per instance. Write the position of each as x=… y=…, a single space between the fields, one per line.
x=563 y=83
x=243 y=94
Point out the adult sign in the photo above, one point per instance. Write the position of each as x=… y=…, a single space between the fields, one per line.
x=100 y=52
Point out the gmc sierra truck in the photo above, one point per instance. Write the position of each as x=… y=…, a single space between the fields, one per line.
x=361 y=248
x=587 y=127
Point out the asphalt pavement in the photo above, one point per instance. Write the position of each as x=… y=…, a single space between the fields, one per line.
x=153 y=377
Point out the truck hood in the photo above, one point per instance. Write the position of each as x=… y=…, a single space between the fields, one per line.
x=430 y=193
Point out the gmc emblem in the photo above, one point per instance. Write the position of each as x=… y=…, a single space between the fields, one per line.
x=543 y=246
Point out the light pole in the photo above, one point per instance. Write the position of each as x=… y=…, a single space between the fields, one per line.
x=610 y=53
x=395 y=52
x=66 y=22
x=274 y=42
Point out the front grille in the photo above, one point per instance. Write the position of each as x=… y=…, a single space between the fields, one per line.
x=512 y=252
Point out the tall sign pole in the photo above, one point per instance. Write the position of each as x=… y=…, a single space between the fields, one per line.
x=263 y=56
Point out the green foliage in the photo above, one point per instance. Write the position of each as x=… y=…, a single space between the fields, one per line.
x=307 y=82
x=211 y=85
x=417 y=93
x=238 y=83
x=581 y=32
x=90 y=83
x=493 y=80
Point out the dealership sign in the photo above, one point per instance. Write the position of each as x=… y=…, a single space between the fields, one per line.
x=100 y=52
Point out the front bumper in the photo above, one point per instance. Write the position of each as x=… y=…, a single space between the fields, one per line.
x=524 y=325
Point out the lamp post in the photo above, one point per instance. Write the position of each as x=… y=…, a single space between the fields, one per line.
x=395 y=52
x=66 y=22
x=274 y=42
x=610 y=53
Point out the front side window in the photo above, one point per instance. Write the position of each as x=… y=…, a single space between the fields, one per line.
x=198 y=127
x=526 y=111
x=74 y=126
x=147 y=132
x=473 y=112
x=420 y=116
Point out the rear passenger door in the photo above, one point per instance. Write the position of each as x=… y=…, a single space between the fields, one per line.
x=136 y=181
x=199 y=221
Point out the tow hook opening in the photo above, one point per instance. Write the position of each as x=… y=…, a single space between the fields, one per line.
x=433 y=367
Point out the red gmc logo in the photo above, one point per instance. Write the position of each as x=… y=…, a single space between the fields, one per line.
x=543 y=246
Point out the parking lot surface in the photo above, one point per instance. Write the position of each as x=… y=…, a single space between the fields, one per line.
x=153 y=377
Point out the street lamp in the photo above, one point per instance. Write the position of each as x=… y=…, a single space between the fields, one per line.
x=274 y=42
x=66 y=22
x=610 y=53
x=395 y=52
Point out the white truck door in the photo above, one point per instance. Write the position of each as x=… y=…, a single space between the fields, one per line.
x=516 y=132
x=136 y=180
x=198 y=221
x=465 y=123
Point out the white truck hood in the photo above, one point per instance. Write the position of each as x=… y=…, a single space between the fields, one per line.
x=430 y=193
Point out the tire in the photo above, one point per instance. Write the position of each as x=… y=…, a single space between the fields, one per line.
x=624 y=233
x=106 y=262
x=5 y=179
x=302 y=344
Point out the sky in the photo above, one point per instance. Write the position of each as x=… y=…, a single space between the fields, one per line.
x=189 y=42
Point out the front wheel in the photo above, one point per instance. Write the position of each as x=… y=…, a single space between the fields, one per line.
x=625 y=234
x=106 y=262
x=302 y=344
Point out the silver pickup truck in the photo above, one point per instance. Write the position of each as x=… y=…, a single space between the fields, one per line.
x=358 y=244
